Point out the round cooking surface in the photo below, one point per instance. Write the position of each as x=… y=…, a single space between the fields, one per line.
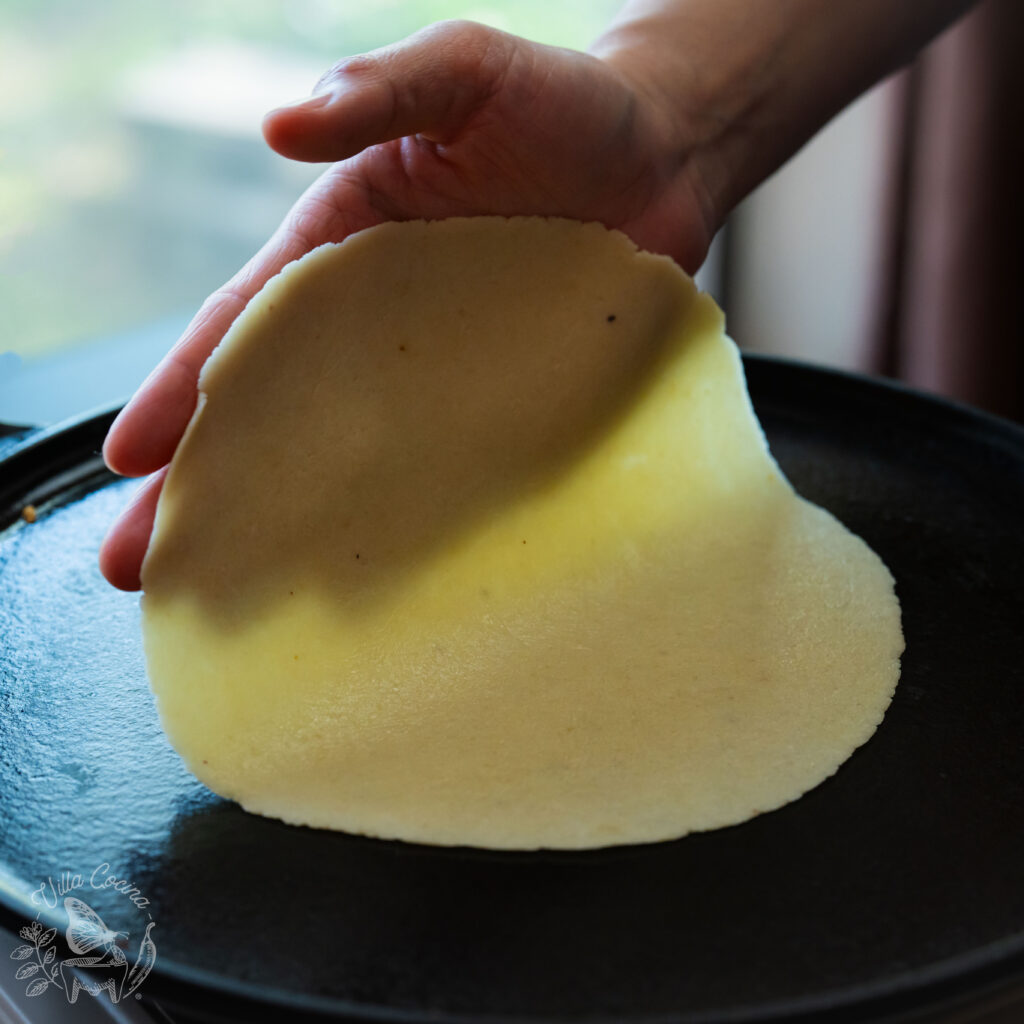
x=896 y=883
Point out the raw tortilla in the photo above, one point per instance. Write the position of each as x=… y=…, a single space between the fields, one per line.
x=474 y=539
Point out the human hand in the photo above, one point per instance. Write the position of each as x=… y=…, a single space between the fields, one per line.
x=457 y=120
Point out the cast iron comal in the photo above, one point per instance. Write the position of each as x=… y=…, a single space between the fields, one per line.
x=896 y=885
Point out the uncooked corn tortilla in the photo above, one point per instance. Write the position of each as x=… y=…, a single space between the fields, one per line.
x=474 y=539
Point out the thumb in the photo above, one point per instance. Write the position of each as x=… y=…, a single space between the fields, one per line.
x=430 y=84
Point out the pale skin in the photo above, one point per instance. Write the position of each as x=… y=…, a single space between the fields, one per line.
x=677 y=111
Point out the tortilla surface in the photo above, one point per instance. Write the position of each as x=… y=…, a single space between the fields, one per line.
x=474 y=539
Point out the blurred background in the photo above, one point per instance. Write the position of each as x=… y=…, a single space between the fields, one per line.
x=134 y=180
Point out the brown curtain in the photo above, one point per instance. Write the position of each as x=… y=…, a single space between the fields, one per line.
x=950 y=295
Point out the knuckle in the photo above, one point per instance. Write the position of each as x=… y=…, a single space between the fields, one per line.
x=463 y=46
x=345 y=66
x=468 y=40
x=472 y=50
x=463 y=31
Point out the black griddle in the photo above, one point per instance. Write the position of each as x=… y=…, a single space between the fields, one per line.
x=894 y=888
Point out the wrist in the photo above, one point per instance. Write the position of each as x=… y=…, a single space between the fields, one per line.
x=742 y=84
x=706 y=83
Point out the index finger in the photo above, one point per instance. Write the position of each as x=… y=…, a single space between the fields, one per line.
x=144 y=436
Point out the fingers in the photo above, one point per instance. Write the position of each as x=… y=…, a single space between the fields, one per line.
x=125 y=544
x=431 y=84
x=144 y=436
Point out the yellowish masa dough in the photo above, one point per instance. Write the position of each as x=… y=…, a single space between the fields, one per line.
x=474 y=539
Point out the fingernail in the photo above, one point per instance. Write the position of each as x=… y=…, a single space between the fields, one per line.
x=309 y=103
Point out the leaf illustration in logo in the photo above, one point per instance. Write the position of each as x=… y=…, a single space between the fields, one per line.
x=144 y=963
x=37 y=988
x=22 y=952
x=50 y=954
x=86 y=930
x=26 y=971
x=47 y=937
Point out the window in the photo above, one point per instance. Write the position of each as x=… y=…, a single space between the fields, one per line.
x=133 y=176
